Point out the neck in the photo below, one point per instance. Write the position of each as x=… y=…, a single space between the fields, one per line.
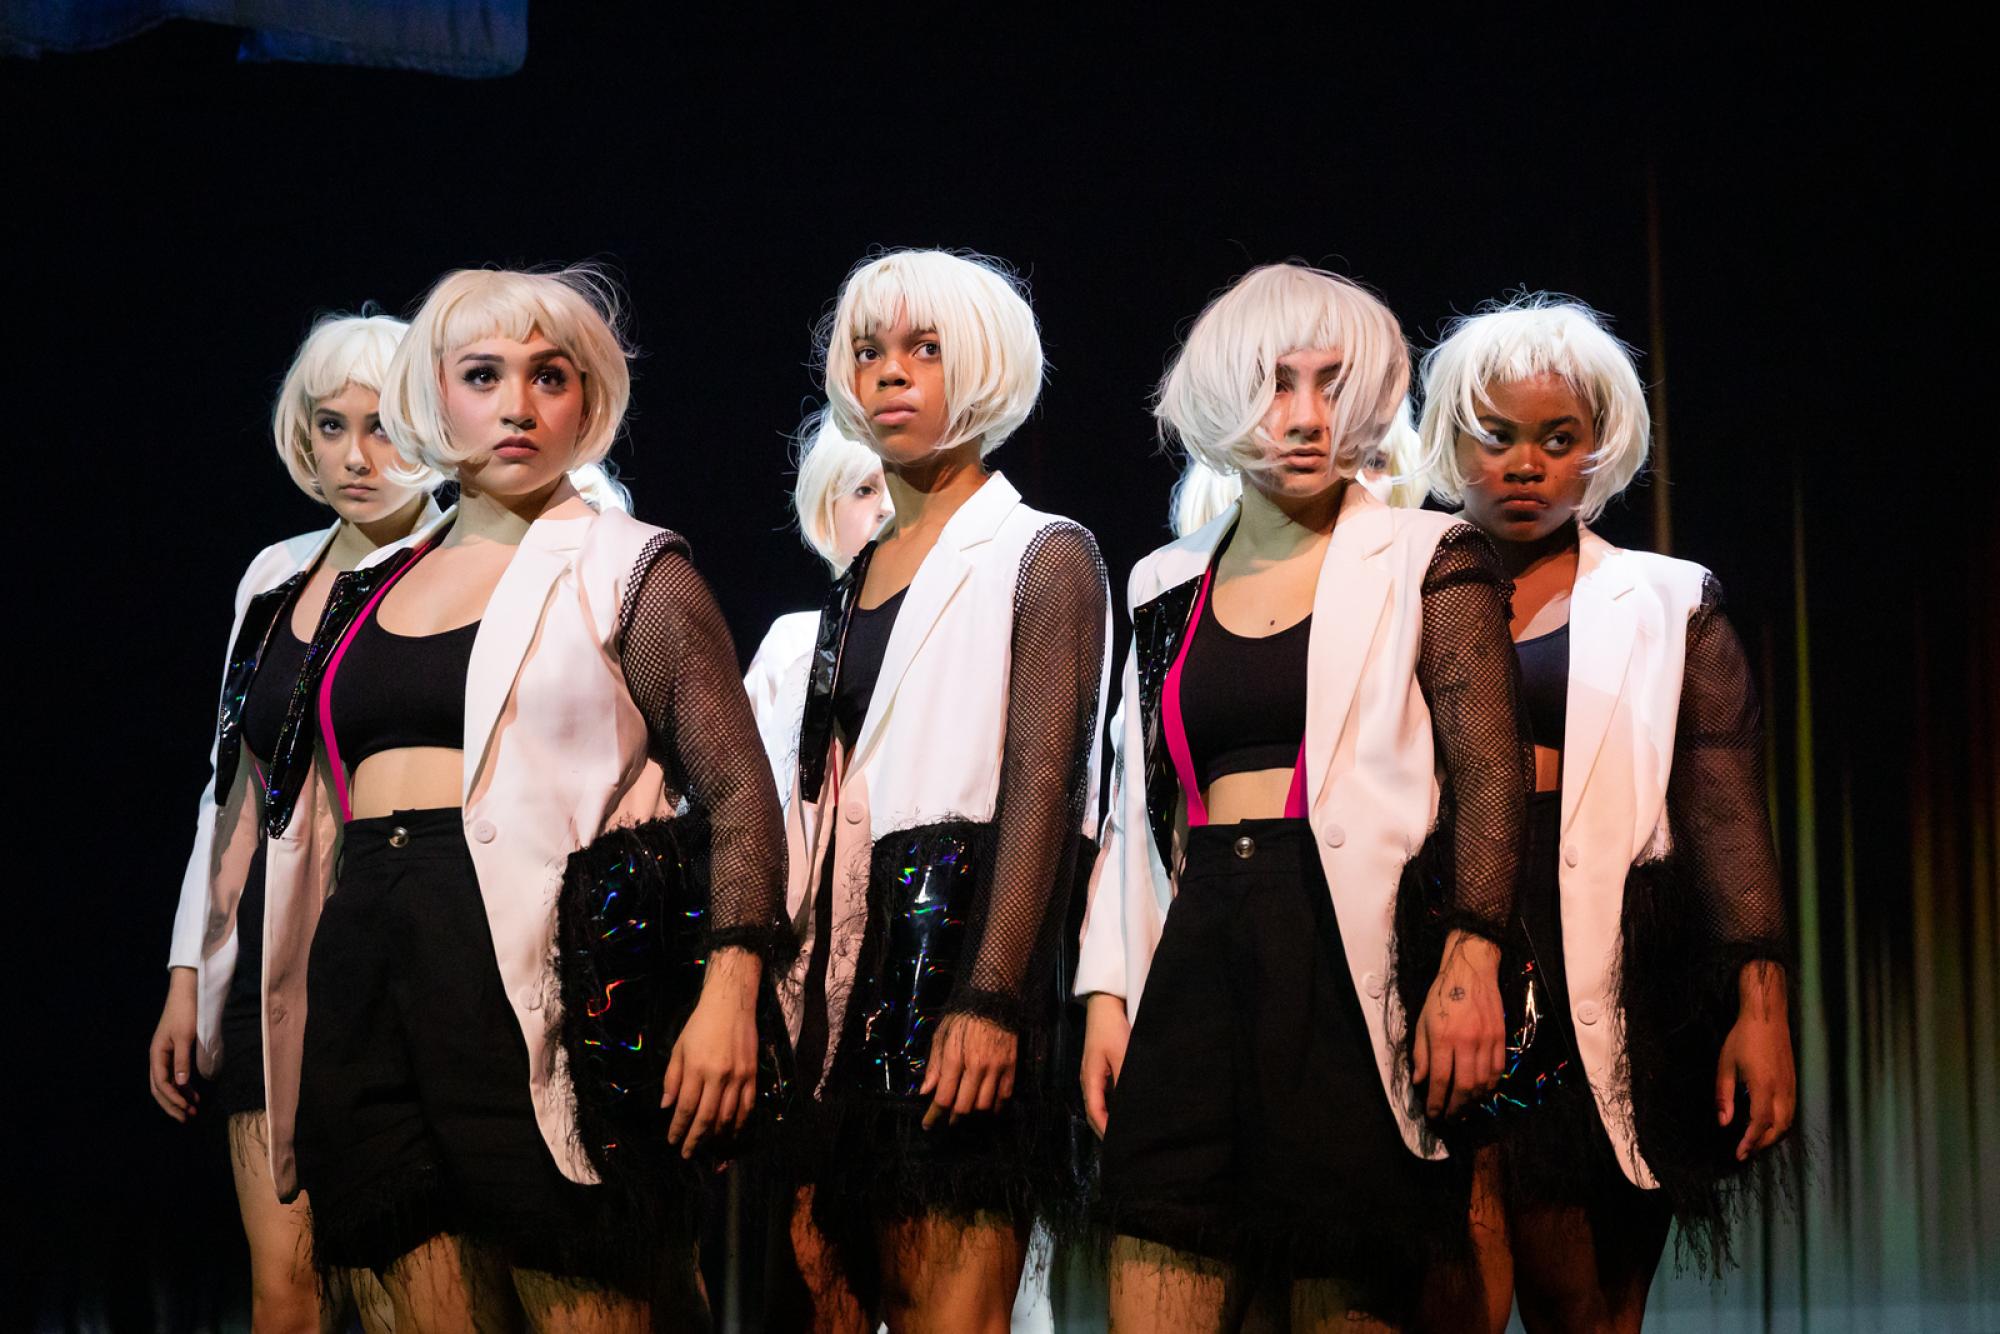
x=1517 y=558
x=486 y=517
x=928 y=493
x=1278 y=526
x=355 y=540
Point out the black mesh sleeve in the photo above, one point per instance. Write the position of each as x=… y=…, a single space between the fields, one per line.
x=1053 y=683
x=1715 y=794
x=1471 y=680
x=680 y=666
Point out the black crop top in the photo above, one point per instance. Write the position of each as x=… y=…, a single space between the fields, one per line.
x=1545 y=685
x=1243 y=700
x=271 y=689
x=395 y=691
x=861 y=662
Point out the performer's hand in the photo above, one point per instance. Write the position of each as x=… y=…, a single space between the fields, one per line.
x=972 y=1068
x=1461 y=1039
x=711 y=1078
x=1105 y=1033
x=170 y=1057
x=1758 y=1054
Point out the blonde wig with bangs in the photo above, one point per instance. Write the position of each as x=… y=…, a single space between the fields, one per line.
x=1535 y=334
x=1213 y=399
x=577 y=309
x=989 y=344
x=1202 y=492
x=829 y=466
x=340 y=350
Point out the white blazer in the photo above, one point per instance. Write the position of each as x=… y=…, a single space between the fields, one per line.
x=555 y=754
x=1371 y=767
x=298 y=874
x=930 y=747
x=1628 y=619
x=776 y=684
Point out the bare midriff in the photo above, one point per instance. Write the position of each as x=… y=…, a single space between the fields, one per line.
x=410 y=778
x=1255 y=795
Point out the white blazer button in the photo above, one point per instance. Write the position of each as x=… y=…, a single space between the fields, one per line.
x=483 y=831
x=1335 y=836
x=1589 y=1012
x=1569 y=855
x=1373 y=984
x=854 y=814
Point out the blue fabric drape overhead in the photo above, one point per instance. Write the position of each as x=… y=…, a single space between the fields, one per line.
x=470 y=39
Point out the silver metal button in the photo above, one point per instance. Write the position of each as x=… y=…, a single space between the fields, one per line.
x=399 y=837
x=1246 y=847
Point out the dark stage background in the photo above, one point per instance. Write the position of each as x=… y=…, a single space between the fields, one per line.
x=177 y=217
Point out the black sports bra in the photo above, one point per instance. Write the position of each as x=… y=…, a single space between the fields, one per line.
x=270 y=694
x=396 y=691
x=1243 y=700
x=1545 y=685
x=861 y=663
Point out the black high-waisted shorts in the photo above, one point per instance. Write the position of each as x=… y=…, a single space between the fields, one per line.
x=1249 y=1123
x=414 y=1116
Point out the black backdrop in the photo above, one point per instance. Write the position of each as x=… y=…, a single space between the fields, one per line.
x=177 y=218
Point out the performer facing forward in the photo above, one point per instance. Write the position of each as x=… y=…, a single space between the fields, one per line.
x=1651 y=894
x=535 y=678
x=330 y=439
x=1319 y=684
x=947 y=764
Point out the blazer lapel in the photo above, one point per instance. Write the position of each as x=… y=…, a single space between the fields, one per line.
x=1602 y=631
x=938 y=578
x=1347 y=612
x=816 y=717
x=513 y=615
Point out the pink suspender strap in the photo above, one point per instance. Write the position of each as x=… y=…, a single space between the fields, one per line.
x=333 y=666
x=1176 y=730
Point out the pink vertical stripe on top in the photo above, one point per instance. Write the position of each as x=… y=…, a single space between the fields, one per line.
x=333 y=666
x=1176 y=729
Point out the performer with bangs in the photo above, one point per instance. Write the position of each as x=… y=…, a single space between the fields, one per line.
x=219 y=1000
x=945 y=783
x=1320 y=752
x=1650 y=904
x=562 y=861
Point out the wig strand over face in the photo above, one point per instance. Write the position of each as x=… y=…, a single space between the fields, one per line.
x=341 y=350
x=992 y=350
x=577 y=309
x=1535 y=334
x=1214 y=397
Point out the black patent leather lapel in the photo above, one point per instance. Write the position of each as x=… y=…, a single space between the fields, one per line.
x=253 y=637
x=1158 y=627
x=292 y=760
x=816 y=719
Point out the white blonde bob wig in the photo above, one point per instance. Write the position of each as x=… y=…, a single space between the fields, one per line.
x=341 y=350
x=1536 y=334
x=577 y=309
x=991 y=349
x=829 y=466
x=1213 y=399
x=1395 y=466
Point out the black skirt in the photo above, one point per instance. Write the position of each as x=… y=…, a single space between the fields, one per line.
x=239 y=1083
x=414 y=1116
x=1249 y=1122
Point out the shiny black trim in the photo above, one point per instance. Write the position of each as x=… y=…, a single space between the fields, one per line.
x=253 y=637
x=292 y=761
x=1158 y=628
x=816 y=719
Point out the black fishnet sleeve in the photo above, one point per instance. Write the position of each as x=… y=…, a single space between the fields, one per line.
x=1715 y=794
x=680 y=666
x=1054 y=683
x=1472 y=682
